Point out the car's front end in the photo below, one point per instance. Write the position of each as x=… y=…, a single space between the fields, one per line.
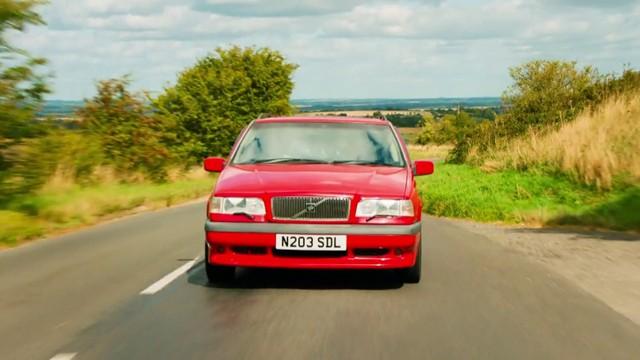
x=330 y=207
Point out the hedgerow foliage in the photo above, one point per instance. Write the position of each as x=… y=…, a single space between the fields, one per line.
x=132 y=137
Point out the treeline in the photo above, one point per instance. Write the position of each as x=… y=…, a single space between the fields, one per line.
x=477 y=113
x=401 y=119
x=127 y=135
x=422 y=118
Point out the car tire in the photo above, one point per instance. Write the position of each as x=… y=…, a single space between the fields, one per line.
x=216 y=273
x=412 y=275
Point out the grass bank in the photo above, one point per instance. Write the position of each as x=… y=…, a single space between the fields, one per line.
x=600 y=147
x=511 y=196
x=53 y=210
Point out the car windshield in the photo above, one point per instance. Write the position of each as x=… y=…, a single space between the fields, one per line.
x=318 y=142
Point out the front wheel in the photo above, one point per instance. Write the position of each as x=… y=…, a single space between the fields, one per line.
x=217 y=273
x=412 y=275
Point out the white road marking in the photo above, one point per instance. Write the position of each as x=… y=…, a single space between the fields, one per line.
x=160 y=284
x=64 y=356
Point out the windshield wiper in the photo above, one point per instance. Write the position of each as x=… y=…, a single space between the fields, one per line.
x=289 y=160
x=360 y=162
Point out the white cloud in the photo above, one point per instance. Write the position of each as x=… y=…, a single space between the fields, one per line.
x=425 y=21
x=600 y=4
x=345 y=48
x=281 y=8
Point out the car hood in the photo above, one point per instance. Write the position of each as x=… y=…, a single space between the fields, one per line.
x=281 y=179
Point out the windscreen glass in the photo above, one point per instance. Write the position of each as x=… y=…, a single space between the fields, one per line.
x=309 y=142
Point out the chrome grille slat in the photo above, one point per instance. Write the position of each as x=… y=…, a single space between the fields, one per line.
x=310 y=207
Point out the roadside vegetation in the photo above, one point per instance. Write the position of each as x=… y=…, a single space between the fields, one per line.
x=57 y=208
x=123 y=151
x=564 y=150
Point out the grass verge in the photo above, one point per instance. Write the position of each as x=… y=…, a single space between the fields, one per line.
x=463 y=191
x=51 y=211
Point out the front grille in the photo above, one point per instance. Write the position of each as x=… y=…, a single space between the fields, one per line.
x=310 y=207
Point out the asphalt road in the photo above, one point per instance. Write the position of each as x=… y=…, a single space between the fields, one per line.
x=81 y=294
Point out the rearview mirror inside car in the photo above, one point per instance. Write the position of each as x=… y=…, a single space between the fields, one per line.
x=423 y=167
x=214 y=164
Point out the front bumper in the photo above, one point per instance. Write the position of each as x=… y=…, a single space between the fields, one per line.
x=368 y=246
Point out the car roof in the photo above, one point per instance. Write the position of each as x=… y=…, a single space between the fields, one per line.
x=328 y=119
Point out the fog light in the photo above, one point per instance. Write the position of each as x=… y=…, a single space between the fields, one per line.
x=398 y=251
x=219 y=249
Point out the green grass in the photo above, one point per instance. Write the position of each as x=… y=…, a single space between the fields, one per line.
x=52 y=211
x=462 y=191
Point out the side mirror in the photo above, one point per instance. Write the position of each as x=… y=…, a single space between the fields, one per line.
x=423 y=167
x=214 y=164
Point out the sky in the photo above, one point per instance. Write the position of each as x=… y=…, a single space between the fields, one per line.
x=345 y=48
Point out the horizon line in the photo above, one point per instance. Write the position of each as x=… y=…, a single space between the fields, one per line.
x=356 y=98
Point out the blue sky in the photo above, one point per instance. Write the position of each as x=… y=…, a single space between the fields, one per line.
x=345 y=48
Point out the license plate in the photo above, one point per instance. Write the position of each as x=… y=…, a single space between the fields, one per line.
x=311 y=242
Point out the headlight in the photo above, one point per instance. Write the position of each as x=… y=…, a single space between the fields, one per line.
x=384 y=207
x=236 y=205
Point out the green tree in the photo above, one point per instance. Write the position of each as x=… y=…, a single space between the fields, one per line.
x=132 y=137
x=611 y=84
x=546 y=92
x=446 y=130
x=21 y=86
x=464 y=125
x=451 y=129
x=213 y=100
x=429 y=127
x=22 y=89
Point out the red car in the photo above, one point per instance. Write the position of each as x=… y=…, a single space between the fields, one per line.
x=315 y=193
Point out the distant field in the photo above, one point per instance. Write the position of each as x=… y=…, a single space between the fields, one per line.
x=67 y=107
x=410 y=134
x=429 y=152
x=358 y=113
x=393 y=105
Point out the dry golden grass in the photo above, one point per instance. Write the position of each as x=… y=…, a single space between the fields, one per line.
x=64 y=178
x=595 y=148
x=193 y=173
x=429 y=152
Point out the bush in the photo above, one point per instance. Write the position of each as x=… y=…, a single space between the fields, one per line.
x=611 y=85
x=213 y=100
x=450 y=129
x=545 y=93
x=60 y=155
x=32 y=162
x=131 y=136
